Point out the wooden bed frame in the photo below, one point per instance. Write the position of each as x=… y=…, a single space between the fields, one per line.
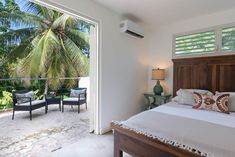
x=215 y=73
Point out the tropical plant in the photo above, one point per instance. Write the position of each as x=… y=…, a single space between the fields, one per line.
x=37 y=94
x=8 y=7
x=49 y=44
x=6 y=100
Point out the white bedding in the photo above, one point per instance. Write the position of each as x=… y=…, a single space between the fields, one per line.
x=211 y=133
x=173 y=108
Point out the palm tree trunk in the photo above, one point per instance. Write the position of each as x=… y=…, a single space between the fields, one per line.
x=46 y=86
x=78 y=80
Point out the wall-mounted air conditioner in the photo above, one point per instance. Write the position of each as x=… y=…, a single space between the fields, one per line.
x=131 y=28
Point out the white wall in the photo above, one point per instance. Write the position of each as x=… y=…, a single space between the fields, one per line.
x=123 y=63
x=160 y=47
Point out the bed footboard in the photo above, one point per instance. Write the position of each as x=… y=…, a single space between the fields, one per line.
x=141 y=146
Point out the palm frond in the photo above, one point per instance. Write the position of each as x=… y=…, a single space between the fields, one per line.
x=36 y=62
x=81 y=39
x=23 y=19
x=47 y=44
x=76 y=57
x=24 y=66
x=31 y=7
x=60 y=21
x=19 y=52
x=73 y=22
x=54 y=47
x=39 y=10
x=15 y=37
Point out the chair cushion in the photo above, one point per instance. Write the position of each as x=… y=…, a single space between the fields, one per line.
x=35 y=102
x=20 y=97
x=76 y=92
x=72 y=99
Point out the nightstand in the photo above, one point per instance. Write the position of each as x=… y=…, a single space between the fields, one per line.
x=156 y=100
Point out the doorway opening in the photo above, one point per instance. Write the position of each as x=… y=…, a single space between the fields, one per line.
x=94 y=69
x=61 y=54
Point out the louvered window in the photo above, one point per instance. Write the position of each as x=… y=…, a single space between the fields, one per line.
x=210 y=41
x=228 y=39
x=203 y=42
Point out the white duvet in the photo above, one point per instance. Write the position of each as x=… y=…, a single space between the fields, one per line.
x=209 y=133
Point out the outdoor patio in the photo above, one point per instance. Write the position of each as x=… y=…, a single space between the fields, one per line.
x=45 y=134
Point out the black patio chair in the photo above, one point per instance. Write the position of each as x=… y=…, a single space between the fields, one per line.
x=78 y=100
x=30 y=105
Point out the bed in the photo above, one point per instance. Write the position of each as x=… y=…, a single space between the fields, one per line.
x=176 y=130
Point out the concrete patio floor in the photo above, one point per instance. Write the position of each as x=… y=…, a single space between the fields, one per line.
x=54 y=134
x=45 y=134
x=90 y=146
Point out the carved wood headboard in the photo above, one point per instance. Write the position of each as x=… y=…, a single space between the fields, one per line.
x=215 y=73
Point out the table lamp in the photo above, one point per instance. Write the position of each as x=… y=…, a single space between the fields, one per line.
x=158 y=74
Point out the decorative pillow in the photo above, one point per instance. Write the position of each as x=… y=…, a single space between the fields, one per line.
x=231 y=100
x=175 y=99
x=21 y=97
x=217 y=103
x=75 y=93
x=185 y=96
x=200 y=91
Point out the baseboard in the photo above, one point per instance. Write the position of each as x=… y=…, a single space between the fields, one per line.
x=105 y=130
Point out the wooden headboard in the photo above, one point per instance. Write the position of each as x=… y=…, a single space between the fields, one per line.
x=215 y=73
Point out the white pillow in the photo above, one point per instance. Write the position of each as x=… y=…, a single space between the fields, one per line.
x=200 y=91
x=175 y=99
x=185 y=96
x=20 y=97
x=231 y=100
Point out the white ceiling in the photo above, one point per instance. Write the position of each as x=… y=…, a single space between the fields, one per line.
x=159 y=12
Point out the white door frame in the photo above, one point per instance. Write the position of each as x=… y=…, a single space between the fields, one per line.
x=95 y=62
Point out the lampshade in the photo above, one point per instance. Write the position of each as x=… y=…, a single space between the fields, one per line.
x=158 y=74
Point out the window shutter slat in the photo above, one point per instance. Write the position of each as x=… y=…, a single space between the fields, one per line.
x=203 y=42
x=228 y=39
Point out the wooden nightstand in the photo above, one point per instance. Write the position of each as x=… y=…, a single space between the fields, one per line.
x=156 y=100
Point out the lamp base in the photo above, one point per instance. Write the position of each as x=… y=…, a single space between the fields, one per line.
x=158 y=88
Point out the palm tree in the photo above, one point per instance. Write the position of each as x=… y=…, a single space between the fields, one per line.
x=49 y=44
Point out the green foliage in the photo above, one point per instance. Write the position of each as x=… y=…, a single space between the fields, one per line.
x=203 y=42
x=46 y=43
x=9 y=7
x=7 y=87
x=6 y=100
x=228 y=39
x=38 y=95
x=3 y=67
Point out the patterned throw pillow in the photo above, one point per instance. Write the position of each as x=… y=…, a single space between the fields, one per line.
x=75 y=93
x=217 y=103
x=186 y=97
x=21 y=97
x=231 y=100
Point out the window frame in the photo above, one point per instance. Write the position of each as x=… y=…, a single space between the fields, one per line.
x=218 y=42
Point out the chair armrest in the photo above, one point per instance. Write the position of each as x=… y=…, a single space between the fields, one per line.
x=79 y=95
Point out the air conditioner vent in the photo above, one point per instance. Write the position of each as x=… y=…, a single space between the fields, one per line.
x=131 y=28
